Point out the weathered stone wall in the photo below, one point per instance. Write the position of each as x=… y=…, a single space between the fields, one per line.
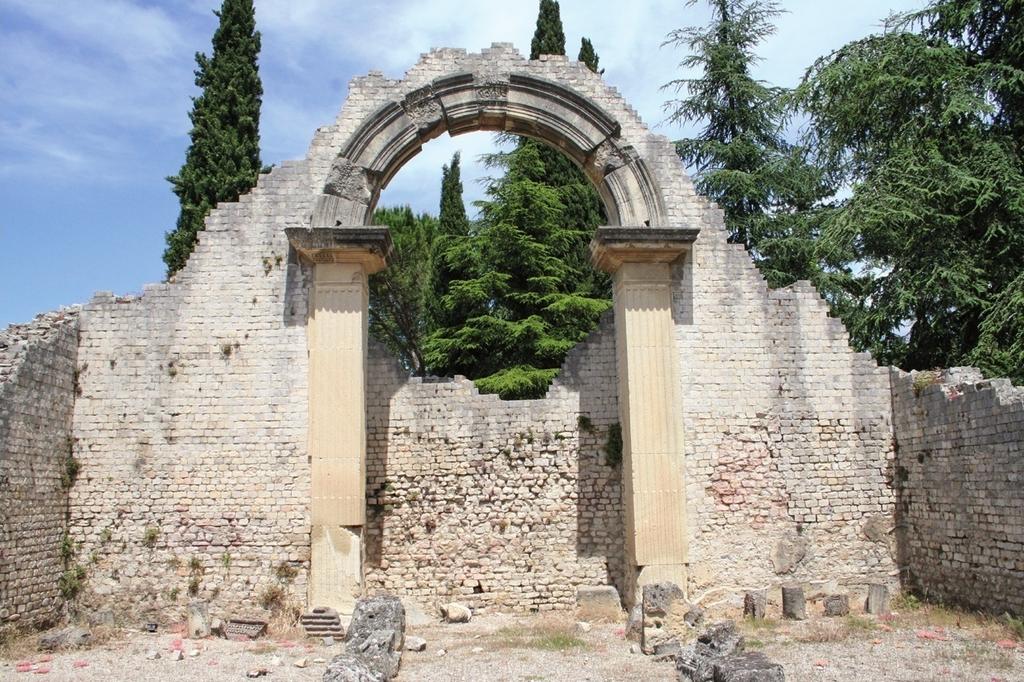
x=788 y=432
x=960 y=470
x=37 y=380
x=191 y=422
x=191 y=425
x=499 y=504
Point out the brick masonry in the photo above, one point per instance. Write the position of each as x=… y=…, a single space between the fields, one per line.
x=191 y=424
x=37 y=385
x=960 y=469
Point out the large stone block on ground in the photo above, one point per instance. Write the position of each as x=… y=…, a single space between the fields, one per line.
x=351 y=668
x=718 y=656
x=598 y=603
x=749 y=667
x=376 y=636
x=665 y=616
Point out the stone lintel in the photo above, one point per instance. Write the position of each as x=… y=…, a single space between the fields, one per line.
x=613 y=246
x=369 y=245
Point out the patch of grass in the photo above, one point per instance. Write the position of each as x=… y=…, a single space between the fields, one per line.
x=753 y=643
x=859 y=623
x=1015 y=626
x=820 y=631
x=193 y=586
x=760 y=624
x=285 y=572
x=905 y=602
x=67 y=549
x=272 y=598
x=923 y=380
x=225 y=560
x=544 y=635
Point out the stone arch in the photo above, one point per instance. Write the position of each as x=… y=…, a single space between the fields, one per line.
x=655 y=217
x=548 y=107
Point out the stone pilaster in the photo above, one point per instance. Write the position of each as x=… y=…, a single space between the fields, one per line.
x=650 y=404
x=343 y=259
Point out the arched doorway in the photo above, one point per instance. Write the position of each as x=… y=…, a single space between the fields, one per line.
x=652 y=211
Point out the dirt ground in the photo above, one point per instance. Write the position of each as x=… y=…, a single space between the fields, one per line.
x=927 y=643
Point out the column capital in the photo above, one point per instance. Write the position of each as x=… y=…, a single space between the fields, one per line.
x=368 y=245
x=613 y=246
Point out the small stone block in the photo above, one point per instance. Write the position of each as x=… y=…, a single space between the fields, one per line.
x=877 y=603
x=754 y=604
x=794 y=604
x=837 y=605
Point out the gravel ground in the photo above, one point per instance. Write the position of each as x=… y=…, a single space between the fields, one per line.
x=516 y=649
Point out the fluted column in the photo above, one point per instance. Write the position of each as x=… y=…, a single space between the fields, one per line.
x=343 y=259
x=650 y=404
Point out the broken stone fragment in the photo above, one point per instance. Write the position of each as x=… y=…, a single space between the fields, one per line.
x=456 y=613
x=755 y=603
x=837 y=605
x=375 y=637
x=718 y=656
x=198 y=620
x=66 y=637
x=414 y=643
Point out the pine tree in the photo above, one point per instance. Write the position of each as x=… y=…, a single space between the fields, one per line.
x=916 y=123
x=769 y=192
x=223 y=158
x=520 y=312
x=401 y=295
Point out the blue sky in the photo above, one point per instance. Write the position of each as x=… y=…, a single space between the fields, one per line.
x=94 y=101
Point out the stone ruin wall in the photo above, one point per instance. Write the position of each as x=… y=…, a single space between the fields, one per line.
x=191 y=428
x=37 y=387
x=788 y=434
x=191 y=423
x=960 y=487
x=500 y=504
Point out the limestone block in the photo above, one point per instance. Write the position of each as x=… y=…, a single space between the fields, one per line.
x=877 y=602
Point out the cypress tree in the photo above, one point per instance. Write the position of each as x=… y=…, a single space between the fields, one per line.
x=454 y=255
x=223 y=158
x=588 y=56
x=548 y=37
x=520 y=312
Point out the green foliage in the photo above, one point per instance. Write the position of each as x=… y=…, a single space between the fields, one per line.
x=402 y=296
x=517 y=383
x=768 y=189
x=149 y=537
x=194 y=586
x=69 y=472
x=523 y=303
x=71 y=582
x=613 y=447
x=223 y=158
x=67 y=549
x=548 y=38
x=916 y=124
x=588 y=56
